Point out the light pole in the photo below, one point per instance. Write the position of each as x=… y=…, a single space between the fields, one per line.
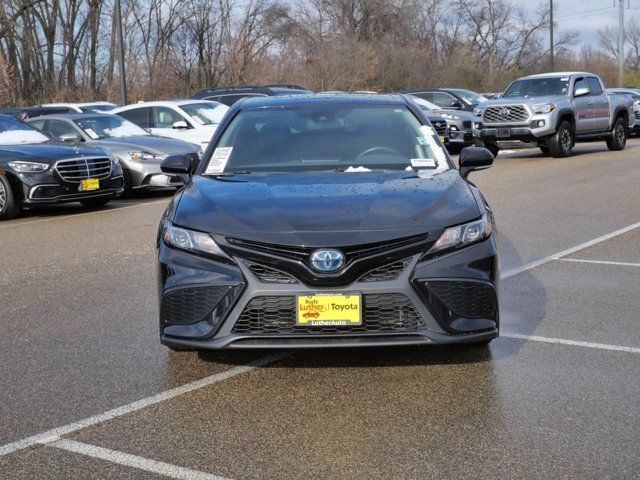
x=123 y=76
x=621 y=45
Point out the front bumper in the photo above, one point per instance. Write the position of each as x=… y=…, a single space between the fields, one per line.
x=206 y=304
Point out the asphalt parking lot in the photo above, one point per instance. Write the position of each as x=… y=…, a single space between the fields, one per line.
x=88 y=391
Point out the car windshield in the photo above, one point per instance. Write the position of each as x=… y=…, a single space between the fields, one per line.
x=327 y=137
x=109 y=126
x=97 y=108
x=538 y=87
x=206 y=113
x=13 y=132
x=469 y=97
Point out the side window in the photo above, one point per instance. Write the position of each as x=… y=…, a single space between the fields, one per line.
x=139 y=116
x=442 y=99
x=164 y=117
x=594 y=86
x=213 y=98
x=37 y=124
x=58 y=127
x=580 y=83
x=424 y=95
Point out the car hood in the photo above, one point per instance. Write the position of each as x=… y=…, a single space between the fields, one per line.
x=148 y=143
x=525 y=101
x=47 y=152
x=320 y=209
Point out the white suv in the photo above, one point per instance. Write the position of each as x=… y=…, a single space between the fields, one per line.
x=193 y=121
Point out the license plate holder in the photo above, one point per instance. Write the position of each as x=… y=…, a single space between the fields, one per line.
x=88 y=184
x=329 y=309
x=503 y=132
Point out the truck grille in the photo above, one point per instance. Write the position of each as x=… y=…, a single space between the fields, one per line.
x=505 y=114
x=382 y=313
x=76 y=169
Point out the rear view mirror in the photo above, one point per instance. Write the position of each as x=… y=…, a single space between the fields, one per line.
x=180 y=125
x=474 y=158
x=581 y=92
x=177 y=164
x=69 y=137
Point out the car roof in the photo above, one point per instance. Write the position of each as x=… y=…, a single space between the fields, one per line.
x=167 y=103
x=316 y=98
x=79 y=104
x=73 y=116
x=559 y=74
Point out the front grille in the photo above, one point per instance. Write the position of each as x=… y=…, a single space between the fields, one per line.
x=386 y=272
x=269 y=275
x=637 y=115
x=440 y=127
x=505 y=114
x=350 y=252
x=382 y=313
x=76 y=169
x=466 y=299
x=191 y=305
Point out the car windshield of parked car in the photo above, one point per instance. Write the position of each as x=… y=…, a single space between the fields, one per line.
x=97 y=108
x=327 y=137
x=13 y=132
x=206 y=113
x=538 y=87
x=109 y=126
x=469 y=97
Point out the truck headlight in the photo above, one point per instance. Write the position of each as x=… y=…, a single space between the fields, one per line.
x=28 y=167
x=543 y=108
x=465 y=234
x=449 y=116
x=191 y=240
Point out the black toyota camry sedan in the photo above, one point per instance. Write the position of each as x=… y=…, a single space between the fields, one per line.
x=37 y=171
x=327 y=221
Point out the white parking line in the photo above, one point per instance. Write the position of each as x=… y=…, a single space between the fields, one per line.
x=568 y=251
x=600 y=262
x=47 y=436
x=128 y=460
x=76 y=215
x=602 y=346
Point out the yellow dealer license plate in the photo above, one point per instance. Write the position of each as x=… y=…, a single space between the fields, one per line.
x=89 y=184
x=442 y=138
x=329 y=309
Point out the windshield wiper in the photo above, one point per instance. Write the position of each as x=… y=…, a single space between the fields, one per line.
x=228 y=174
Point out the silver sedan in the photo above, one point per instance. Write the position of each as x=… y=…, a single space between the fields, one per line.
x=139 y=152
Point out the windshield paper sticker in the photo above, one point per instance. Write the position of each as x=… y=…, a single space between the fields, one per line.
x=219 y=160
x=91 y=133
x=423 y=162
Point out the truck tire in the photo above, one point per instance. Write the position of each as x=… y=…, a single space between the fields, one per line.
x=492 y=147
x=618 y=138
x=561 y=142
x=9 y=208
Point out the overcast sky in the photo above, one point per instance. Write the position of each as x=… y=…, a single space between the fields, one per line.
x=587 y=16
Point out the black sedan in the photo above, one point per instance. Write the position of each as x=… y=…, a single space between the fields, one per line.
x=36 y=171
x=327 y=221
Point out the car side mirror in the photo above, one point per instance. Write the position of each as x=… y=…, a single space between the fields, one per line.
x=581 y=92
x=177 y=164
x=456 y=104
x=180 y=125
x=70 y=137
x=474 y=158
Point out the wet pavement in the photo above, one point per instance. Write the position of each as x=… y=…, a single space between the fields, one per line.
x=557 y=396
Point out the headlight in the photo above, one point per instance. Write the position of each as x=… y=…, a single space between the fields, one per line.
x=146 y=156
x=191 y=240
x=478 y=111
x=450 y=116
x=465 y=234
x=543 y=108
x=28 y=167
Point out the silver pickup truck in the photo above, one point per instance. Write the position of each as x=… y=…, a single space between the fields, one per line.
x=554 y=110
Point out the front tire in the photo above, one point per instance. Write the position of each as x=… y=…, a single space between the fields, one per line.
x=95 y=202
x=618 y=138
x=561 y=142
x=9 y=208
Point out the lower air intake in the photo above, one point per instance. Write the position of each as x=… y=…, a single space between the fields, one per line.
x=191 y=305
